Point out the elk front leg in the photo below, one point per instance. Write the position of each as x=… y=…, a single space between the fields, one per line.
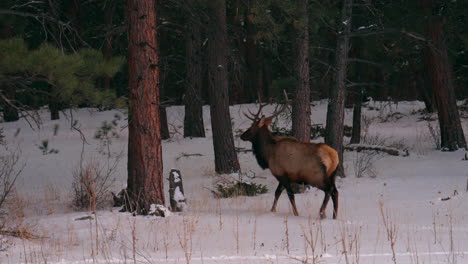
x=278 y=192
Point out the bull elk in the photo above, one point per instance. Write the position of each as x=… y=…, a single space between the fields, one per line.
x=290 y=160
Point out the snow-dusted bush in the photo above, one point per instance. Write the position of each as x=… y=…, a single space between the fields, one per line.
x=239 y=188
x=232 y=186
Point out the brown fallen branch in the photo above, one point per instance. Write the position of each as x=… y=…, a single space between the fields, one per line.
x=243 y=150
x=388 y=150
x=19 y=234
x=185 y=155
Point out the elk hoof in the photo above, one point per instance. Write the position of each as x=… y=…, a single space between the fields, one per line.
x=273 y=210
x=323 y=215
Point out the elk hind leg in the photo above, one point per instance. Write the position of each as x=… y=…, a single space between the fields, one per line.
x=326 y=198
x=334 y=195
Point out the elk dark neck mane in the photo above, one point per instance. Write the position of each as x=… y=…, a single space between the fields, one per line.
x=261 y=146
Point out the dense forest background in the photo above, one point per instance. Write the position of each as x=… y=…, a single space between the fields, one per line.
x=386 y=56
x=147 y=55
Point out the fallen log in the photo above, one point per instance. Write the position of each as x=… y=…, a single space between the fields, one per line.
x=389 y=150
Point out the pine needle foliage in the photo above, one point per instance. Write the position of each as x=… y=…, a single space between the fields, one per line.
x=71 y=76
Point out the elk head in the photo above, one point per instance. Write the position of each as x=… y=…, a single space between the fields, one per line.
x=261 y=122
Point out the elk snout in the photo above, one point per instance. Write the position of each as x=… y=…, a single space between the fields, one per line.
x=247 y=135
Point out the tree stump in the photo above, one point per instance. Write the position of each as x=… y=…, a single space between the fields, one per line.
x=176 y=191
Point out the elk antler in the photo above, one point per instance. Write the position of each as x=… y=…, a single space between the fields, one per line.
x=254 y=117
x=284 y=107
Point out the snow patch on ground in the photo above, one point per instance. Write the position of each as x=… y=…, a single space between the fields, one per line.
x=412 y=191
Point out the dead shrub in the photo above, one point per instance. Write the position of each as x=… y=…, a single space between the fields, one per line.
x=10 y=170
x=92 y=183
x=364 y=163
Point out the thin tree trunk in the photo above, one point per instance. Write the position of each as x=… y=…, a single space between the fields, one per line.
x=54 y=107
x=107 y=52
x=356 y=132
x=423 y=85
x=193 y=119
x=145 y=179
x=452 y=137
x=164 y=125
x=223 y=141
x=254 y=73
x=335 y=111
x=10 y=113
x=301 y=103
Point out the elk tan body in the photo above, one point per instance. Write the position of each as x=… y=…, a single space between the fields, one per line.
x=303 y=162
x=290 y=160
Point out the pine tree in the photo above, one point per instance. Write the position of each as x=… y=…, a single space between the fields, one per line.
x=223 y=141
x=145 y=180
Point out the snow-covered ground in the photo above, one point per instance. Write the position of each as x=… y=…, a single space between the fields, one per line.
x=415 y=210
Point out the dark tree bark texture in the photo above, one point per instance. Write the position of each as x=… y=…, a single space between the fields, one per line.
x=253 y=58
x=193 y=119
x=335 y=112
x=54 y=107
x=164 y=125
x=356 y=133
x=145 y=179
x=108 y=12
x=10 y=112
x=301 y=103
x=452 y=137
x=223 y=141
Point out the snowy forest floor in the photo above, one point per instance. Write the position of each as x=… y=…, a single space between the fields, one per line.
x=402 y=210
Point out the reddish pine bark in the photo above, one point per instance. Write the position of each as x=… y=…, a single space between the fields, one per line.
x=145 y=179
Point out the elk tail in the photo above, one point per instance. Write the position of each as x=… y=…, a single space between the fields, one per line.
x=329 y=159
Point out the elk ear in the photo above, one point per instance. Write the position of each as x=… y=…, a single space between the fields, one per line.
x=267 y=122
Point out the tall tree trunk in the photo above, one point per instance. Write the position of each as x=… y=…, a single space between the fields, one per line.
x=423 y=85
x=145 y=179
x=223 y=141
x=10 y=112
x=107 y=52
x=54 y=107
x=193 y=119
x=163 y=124
x=356 y=133
x=301 y=103
x=335 y=110
x=451 y=132
x=254 y=73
